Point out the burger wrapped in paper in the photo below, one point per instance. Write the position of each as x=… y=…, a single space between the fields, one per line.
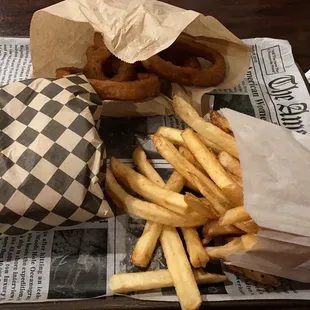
x=50 y=155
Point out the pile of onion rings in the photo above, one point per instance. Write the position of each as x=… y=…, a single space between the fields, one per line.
x=189 y=75
x=115 y=79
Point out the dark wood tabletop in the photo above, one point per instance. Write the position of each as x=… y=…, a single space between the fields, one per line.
x=285 y=19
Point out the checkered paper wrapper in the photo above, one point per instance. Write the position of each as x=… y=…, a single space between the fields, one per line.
x=50 y=155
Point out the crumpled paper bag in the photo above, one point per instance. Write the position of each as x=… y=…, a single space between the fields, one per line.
x=133 y=30
x=275 y=166
x=50 y=155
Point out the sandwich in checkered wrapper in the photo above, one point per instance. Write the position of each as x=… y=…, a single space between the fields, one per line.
x=50 y=155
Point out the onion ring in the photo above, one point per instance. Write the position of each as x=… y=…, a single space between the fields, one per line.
x=112 y=78
x=125 y=72
x=95 y=66
x=117 y=70
x=61 y=72
x=90 y=51
x=187 y=75
x=111 y=67
x=147 y=85
x=179 y=59
x=95 y=61
x=192 y=62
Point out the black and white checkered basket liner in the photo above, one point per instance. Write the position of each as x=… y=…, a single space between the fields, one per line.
x=50 y=155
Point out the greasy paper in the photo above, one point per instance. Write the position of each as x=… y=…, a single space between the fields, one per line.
x=275 y=163
x=133 y=30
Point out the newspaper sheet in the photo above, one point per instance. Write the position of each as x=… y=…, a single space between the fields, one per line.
x=273 y=89
x=15 y=60
x=77 y=262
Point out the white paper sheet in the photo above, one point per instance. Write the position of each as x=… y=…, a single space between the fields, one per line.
x=275 y=163
x=275 y=166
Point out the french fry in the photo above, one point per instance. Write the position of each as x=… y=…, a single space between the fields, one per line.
x=147 y=189
x=205 y=230
x=145 y=168
x=200 y=206
x=214 y=147
x=220 y=206
x=145 y=246
x=216 y=135
x=236 y=179
x=220 y=121
x=256 y=276
x=243 y=243
x=207 y=162
x=206 y=159
x=180 y=269
x=213 y=229
x=187 y=169
x=191 y=186
x=217 y=230
x=203 y=277
x=175 y=137
x=248 y=240
x=190 y=157
x=176 y=182
x=243 y=227
x=248 y=226
x=147 y=210
x=206 y=240
x=212 y=166
x=235 y=215
x=197 y=254
x=230 y=163
x=234 y=193
x=123 y=283
x=171 y=134
x=210 y=206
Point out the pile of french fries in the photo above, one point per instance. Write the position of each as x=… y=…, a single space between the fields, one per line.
x=205 y=160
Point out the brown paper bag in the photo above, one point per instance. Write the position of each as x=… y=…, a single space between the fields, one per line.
x=133 y=30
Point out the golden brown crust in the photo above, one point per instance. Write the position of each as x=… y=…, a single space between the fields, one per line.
x=188 y=75
x=182 y=59
x=61 y=72
x=96 y=59
x=118 y=80
x=101 y=65
x=147 y=85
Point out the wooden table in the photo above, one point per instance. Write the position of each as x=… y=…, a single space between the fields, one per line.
x=285 y=19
